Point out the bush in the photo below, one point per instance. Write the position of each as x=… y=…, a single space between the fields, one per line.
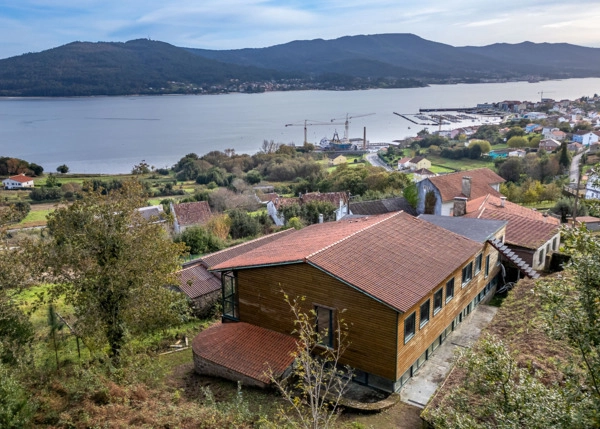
x=199 y=240
x=242 y=224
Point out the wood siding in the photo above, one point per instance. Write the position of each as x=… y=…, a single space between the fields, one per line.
x=408 y=353
x=372 y=325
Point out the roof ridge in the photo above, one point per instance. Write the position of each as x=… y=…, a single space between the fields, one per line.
x=353 y=234
x=242 y=244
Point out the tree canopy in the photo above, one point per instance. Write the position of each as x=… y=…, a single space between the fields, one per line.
x=112 y=265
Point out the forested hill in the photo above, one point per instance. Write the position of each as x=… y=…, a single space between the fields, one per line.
x=407 y=55
x=353 y=62
x=135 y=67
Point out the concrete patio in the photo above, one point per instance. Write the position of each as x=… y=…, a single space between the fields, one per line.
x=421 y=387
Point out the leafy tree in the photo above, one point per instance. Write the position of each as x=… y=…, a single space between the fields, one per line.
x=311 y=210
x=199 y=240
x=564 y=157
x=219 y=226
x=111 y=265
x=411 y=194
x=514 y=398
x=142 y=168
x=318 y=383
x=63 y=169
x=515 y=132
x=16 y=406
x=517 y=142
x=511 y=169
x=253 y=177
x=534 y=141
x=243 y=224
x=564 y=208
x=484 y=145
x=52 y=181
x=573 y=312
x=491 y=133
x=475 y=152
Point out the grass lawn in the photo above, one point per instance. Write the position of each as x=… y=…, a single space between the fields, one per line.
x=460 y=164
x=440 y=170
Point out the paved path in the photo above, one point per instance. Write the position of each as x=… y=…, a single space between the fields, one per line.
x=423 y=385
x=574 y=170
x=374 y=160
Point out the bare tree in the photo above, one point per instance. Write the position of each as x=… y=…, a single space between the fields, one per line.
x=269 y=146
x=317 y=382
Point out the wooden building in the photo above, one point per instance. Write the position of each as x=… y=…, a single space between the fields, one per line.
x=403 y=285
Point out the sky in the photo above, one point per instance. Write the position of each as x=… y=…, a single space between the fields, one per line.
x=37 y=25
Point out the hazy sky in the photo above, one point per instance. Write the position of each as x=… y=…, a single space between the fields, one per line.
x=36 y=25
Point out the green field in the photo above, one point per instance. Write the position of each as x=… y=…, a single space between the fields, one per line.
x=460 y=164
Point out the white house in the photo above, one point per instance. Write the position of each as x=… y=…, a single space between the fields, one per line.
x=586 y=138
x=19 y=181
x=592 y=187
x=520 y=153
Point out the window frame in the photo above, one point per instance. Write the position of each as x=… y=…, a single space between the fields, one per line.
x=230 y=295
x=423 y=322
x=478 y=263
x=469 y=273
x=328 y=313
x=411 y=317
x=437 y=309
x=450 y=283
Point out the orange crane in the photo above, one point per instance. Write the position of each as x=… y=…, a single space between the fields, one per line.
x=310 y=123
x=347 y=123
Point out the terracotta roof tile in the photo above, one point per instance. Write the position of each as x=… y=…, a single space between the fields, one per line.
x=450 y=185
x=196 y=281
x=21 y=178
x=221 y=256
x=389 y=257
x=246 y=349
x=493 y=202
x=522 y=231
x=197 y=213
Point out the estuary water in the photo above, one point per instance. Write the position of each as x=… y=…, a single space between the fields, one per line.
x=111 y=134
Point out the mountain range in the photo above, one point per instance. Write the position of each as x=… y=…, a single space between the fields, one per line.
x=352 y=62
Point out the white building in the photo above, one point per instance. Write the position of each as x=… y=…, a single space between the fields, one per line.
x=19 y=181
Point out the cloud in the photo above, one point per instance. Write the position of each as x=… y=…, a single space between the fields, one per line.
x=486 y=22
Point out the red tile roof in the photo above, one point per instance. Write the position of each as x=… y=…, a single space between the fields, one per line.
x=224 y=255
x=450 y=185
x=246 y=349
x=389 y=257
x=522 y=231
x=21 y=178
x=492 y=202
x=196 y=281
x=197 y=213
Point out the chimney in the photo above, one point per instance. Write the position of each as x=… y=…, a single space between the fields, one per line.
x=466 y=186
x=460 y=206
x=364 y=138
x=320 y=217
x=502 y=200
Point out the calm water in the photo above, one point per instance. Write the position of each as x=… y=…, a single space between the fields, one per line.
x=111 y=134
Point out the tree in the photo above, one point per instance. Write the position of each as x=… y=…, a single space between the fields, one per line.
x=564 y=157
x=514 y=398
x=412 y=195
x=511 y=169
x=318 y=383
x=517 y=142
x=63 y=169
x=112 y=265
x=484 y=145
x=142 y=168
x=573 y=312
x=243 y=224
x=199 y=240
x=515 y=131
x=475 y=152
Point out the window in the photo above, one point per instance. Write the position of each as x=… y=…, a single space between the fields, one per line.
x=554 y=244
x=467 y=273
x=478 y=260
x=437 y=301
x=487 y=265
x=324 y=325
x=424 y=314
x=409 y=328
x=541 y=258
x=230 y=299
x=547 y=248
x=450 y=289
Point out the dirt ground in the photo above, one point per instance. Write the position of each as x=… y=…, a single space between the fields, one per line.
x=192 y=385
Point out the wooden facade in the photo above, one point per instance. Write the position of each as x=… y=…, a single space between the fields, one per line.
x=376 y=331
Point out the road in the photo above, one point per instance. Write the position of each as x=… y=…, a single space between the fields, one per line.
x=574 y=170
x=374 y=160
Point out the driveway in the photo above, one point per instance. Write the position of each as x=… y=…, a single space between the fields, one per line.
x=574 y=170
x=423 y=385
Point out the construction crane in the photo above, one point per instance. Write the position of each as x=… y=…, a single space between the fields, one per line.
x=310 y=123
x=347 y=123
x=542 y=95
